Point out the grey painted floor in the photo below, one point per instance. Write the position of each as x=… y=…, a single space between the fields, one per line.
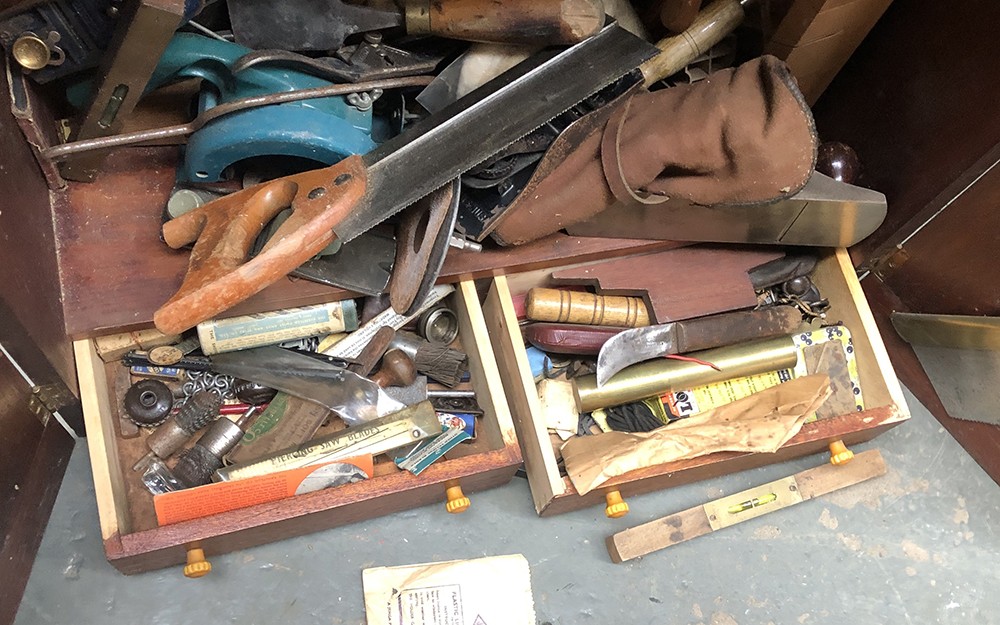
x=916 y=546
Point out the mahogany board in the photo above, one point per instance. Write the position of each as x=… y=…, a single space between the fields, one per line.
x=115 y=271
x=680 y=283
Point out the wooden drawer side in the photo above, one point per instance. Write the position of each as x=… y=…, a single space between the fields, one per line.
x=483 y=367
x=838 y=282
x=540 y=460
x=112 y=505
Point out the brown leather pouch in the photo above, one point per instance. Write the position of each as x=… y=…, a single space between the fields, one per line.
x=741 y=136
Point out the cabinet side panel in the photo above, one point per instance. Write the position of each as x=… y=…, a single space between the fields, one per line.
x=31 y=314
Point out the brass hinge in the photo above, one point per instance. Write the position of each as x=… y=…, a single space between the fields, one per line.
x=48 y=399
x=892 y=261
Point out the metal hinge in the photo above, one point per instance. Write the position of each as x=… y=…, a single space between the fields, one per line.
x=48 y=399
x=892 y=261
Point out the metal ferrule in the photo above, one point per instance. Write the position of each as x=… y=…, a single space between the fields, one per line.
x=657 y=377
x=418 y=17
x=167 y=438
x=221 y=437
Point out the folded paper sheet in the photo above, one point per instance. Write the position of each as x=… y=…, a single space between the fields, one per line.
x=761 y=422
x=484 y=591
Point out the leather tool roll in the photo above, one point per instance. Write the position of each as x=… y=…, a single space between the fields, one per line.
x=741 y=136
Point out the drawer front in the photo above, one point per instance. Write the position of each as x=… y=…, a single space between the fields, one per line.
x=134 y=544
x=554 y=494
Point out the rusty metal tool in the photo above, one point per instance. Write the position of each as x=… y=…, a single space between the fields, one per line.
x=325 y=24
x=351 y=197
x=423 y=235
x=640 y=344
x=363 y=266
x=369 y=60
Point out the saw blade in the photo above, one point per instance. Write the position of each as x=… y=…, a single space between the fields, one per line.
x=467 y=132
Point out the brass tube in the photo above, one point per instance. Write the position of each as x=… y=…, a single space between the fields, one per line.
x=656 y=377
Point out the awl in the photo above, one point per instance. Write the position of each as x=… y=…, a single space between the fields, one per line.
x=640 y=344
x=342 y=201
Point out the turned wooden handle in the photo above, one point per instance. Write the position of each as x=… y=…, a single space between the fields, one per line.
x=714 y=22
x=586 y=308
x=397 y=369
x=543 y=22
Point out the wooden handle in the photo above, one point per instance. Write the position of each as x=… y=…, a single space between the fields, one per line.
x=219 y=275
x=586 y=308
x=542 y=22
x=713 y=23
x=568 y=338
x=373 y=351
x=397 y=370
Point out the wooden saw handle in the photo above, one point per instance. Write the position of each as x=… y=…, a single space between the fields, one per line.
x=219 y=275
x=543 y=22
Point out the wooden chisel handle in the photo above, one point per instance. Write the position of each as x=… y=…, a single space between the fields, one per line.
x=543 y=22
x=714 y=22
x=580 y=307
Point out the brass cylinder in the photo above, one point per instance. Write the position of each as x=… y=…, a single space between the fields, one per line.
x=656 y=377
x=585 y=308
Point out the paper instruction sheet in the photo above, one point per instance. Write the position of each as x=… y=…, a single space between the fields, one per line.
x=484 y=591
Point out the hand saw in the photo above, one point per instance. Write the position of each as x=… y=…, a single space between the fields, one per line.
x=342 y=201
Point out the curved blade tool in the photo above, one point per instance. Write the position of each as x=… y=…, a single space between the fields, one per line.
x=640 y=344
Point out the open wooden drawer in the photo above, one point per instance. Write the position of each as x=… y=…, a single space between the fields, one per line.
x=553 y=493
x=134 y=543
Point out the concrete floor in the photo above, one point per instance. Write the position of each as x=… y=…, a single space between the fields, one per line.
x=915 y=546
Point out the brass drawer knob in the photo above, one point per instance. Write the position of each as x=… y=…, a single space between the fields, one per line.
x=616 y=506
x=839 y=453
x=457 y=501
x=197 y=565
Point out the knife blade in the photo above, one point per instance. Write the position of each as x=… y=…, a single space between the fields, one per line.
x=354 y=398
x=640 y=344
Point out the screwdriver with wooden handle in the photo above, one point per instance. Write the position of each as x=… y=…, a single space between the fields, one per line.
x=712 y=24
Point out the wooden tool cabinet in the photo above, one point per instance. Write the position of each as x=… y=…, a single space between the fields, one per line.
x=83 y=260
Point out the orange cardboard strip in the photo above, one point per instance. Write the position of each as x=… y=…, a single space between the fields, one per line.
x=194 y=503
